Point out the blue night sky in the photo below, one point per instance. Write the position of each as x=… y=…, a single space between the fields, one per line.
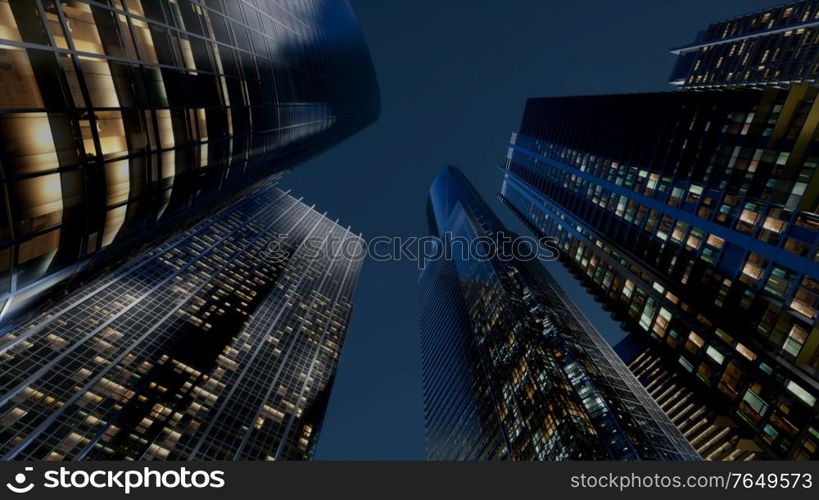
x=454 y=77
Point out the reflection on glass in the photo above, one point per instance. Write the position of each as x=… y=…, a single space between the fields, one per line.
x=28 y=143
x=67 y=63
x=87 y=106
x=81 y=26
x=55 y=26
x=144 y=41
x=97 y=76
x=18 y=87
x=111 y=133
x=40 y=202
x=8 y=27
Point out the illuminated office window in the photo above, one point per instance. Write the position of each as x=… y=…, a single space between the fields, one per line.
x=81 y=27
x=18 y=86
x=100 y=83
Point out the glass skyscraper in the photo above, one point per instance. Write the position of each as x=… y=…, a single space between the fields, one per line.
x=693 y=216
x=220 y=343
x=776 y=46
x=122 y=120
x=713 y=436
x=511 y=369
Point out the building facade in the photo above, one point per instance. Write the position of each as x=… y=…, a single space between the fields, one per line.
x=219 y=344
x=692 y=215
x=713 y=436
x=776 y=46
x=460 y=418
x=122 y=120
x=511 y=369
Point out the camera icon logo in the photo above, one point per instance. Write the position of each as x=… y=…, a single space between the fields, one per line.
x=20 y=480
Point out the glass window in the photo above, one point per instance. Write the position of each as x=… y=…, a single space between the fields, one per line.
x=780 y=281
x=135 y=7
x=54 y=24
x=18 y=86
x=5 y=234
x=87 y=136
x=28 y=143
x=155 y=88
x=20 y=22
x=39 y=202
x=801 y=393
x=111 y=133
x=82 y=28
x=187 y=53
x=750 y=355
x=144 y=41
x=796 y=338
x=114 y=33
x=44 y=244
x=8 y=26
x=135 y=126
x=755 y=402
x=242 y=38
x=117 y=182
x=69 y=70
x=128 y=84
x=114 y=219
x=715 y=355
x=753 y=269
x=165 y=126
x=100 y=83
x=5 y=266
x=35 y=255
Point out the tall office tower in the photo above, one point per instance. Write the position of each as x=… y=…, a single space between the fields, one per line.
x=692 y=215
x=511 y=369
x=221 y=343
x=122 y=120
x=775 y=46
x=714 y=437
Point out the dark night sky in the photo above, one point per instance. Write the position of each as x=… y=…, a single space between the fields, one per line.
x=454 y=77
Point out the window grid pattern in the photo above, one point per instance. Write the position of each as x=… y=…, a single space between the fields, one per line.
x=124 y=119
x=770 y=47
x=703 y=242
x=459 y=411
x=557 y=391
x=136 y=364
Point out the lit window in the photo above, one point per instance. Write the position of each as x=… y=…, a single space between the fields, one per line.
x=796 y=338
x=756 y=403
x=18 y=87
x=746 y=352
x=696 y=339
x=801 y=393
x=82 y=27
x=715 y=354
x=715 y=241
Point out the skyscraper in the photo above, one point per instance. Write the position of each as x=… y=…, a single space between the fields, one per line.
x=693 y=216
x=713 y=436
x=220 y=343
x=511 y=369
x=775 y=46
x=121 y=121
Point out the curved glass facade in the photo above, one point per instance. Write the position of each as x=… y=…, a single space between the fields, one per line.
x=121 y=120
x=512 y=369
